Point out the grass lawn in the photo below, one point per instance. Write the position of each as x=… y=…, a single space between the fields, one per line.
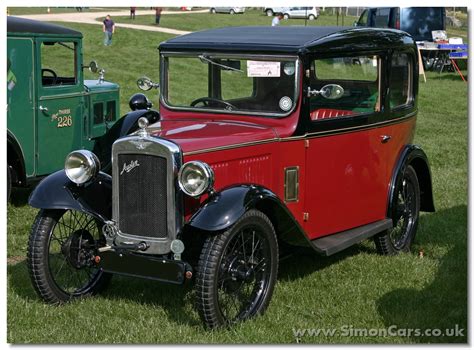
x=200 y=21
x=356 y=287
x=18 y=11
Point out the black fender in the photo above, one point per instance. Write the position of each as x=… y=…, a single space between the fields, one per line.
x=58 y=192
x=222 y=210
x=413 y=155
x=124 y=126
x=16 y=159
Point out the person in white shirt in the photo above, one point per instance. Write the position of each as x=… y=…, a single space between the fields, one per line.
x=276 y=20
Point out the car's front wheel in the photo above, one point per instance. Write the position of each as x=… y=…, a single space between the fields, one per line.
x=232 y=12
x=213 y=10
x=311 y=17
x=237 y=271
x=286 y=16
x=61 y=255
x=404 y=214
x=269 y=12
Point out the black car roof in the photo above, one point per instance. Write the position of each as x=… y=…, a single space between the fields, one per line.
x=287 y=39
x=23 y=25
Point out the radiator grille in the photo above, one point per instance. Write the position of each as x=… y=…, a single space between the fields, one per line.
x=142 y=195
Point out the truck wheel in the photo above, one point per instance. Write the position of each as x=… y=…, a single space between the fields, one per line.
x=405 y=214
x=237 y=271
x=311 y=17
x=232 y=12
x=9 y=183
x=269 y=13
x=213 y=10
x=61 y=251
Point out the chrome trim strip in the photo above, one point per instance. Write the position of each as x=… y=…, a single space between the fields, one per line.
x=164 y=85
x=305 y=136
x=155 y=147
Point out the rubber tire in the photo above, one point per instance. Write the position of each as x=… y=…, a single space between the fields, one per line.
x=9 y=183
x=383 y=242
x=286 y=16
x=269 y=13
x=232 y=12
x=213 y=11
x=311 y=17
x=37 y=262
x=207 y=272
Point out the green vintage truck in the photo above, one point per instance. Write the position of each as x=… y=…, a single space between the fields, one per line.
x=51 y=109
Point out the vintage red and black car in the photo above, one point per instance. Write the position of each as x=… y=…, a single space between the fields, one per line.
x=266 y=137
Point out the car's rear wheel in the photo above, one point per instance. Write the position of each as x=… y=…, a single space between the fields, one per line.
x=269 y=12
x=404 y=214
x=237 y=271
x=311 y=17
x=232 y=12
x=213 y=10
x=286 y=16
x=61 y=256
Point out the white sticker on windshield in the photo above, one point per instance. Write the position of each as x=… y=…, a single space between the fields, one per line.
x=263 y=69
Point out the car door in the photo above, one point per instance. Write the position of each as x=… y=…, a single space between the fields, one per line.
x=345 y=156
x=60 y=105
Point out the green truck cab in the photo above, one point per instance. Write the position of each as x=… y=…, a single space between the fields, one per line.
x=51 y=109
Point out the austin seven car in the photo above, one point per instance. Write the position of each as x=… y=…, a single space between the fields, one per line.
x=266 y=138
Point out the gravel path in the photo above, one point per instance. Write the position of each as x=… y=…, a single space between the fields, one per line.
x=92 y=18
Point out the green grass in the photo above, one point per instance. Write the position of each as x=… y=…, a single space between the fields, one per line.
x=18 y=11
x=356 y=287
x=199 y=21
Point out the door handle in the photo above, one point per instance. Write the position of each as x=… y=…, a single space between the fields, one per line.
x=43 y=109
x=385 y=138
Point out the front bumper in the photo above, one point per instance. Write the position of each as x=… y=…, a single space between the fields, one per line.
x=156 y=268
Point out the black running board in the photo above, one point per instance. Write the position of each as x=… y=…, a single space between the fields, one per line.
x=329 y=245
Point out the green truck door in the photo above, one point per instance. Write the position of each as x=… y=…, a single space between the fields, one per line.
x=21 y=96
x=60 y=104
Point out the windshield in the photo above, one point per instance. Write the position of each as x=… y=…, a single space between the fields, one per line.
x=230 y=84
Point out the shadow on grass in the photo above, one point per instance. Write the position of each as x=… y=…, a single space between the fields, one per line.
x=443 y=303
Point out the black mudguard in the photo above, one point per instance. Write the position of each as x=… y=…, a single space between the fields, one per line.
x=124 y=126
x=413 y=155
x=58 y=192
x=223 y=209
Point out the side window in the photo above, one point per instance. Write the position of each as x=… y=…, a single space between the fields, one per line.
x=98 y=113
x=363 y=19
x=58 y=63
x=382 y=17
x=400 y=80
x=235 y=86
x=359 y=79
x=110 y=113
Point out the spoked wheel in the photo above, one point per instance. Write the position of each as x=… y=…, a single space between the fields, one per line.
x=237 y=271
x=405 y=214
x=61 y=252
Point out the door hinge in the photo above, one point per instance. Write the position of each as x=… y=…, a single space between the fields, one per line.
x=305 y=216
x=306 y=143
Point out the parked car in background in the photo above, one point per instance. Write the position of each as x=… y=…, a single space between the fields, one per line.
x=310 y=13
x=281 y=141
x=270 y=11
x=419 y=22
x=230 y=10
x=51 y=109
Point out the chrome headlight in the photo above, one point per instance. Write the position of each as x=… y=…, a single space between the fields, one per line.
x=81 y=166
x=195 y=178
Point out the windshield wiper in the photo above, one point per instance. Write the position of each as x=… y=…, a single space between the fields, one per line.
x=206 y=59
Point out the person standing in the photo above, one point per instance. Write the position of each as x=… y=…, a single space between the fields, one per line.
x=158 y=15
x=276 y=20
x=109 y=29
x=132 y=12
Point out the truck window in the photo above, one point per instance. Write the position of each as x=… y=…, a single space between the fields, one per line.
x=110 y=112
x=421 y=21
x=400 y=80
x=58 y=63
x=98 y=113
x=382 y=18
x=358 y=76
x=363 y=19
